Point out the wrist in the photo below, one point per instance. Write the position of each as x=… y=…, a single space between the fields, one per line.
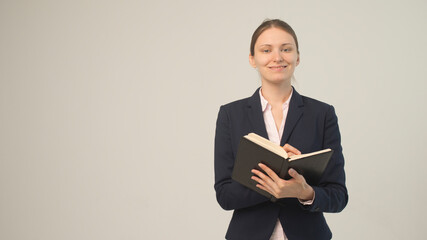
x=307 y=193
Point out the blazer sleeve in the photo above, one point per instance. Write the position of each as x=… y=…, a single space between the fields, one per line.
x=230 y=194
x=331 y=194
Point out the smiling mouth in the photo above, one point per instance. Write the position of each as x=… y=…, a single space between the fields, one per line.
x=278 y=67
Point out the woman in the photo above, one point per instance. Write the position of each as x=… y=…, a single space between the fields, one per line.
x=278 y=112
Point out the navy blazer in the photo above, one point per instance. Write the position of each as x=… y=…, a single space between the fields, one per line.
x=310 y=126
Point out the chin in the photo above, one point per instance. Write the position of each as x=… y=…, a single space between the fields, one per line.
x=278 y=81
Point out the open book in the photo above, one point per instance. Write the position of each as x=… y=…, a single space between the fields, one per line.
x=254 y=149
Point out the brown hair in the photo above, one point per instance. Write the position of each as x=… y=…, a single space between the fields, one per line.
x=277 y=23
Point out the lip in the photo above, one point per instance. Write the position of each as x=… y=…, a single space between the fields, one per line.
x=277 y=68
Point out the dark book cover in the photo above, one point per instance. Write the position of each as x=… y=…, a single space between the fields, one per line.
x=250 y=154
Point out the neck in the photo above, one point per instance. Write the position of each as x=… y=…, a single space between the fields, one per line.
x=276 y=94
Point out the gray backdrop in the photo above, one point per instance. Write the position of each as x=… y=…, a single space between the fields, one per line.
x=108 y=110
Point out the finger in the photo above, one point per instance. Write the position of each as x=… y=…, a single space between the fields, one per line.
x=266 y=189
x=294 y=174
x=270 y=172
x=291 y=150
x=265 y=186
x=272 y=181
x=267 y=181
x=259 y=174
x=259 y=180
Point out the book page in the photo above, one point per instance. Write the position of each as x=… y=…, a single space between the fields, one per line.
x=267 y=144
x=296 y=157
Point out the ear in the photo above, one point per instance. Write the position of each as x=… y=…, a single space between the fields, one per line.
x=298 y=60
x=252 y=61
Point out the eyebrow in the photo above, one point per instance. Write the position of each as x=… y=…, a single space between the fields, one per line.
x=268 y=45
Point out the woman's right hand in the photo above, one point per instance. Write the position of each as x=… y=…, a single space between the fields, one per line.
x=291 y=150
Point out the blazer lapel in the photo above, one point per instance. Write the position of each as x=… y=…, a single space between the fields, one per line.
x=296 y=109
x=255 y=115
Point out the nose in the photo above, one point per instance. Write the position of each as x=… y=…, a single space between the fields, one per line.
x=278 y=56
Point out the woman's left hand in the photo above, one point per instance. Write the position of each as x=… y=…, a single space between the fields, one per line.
x=296 y=187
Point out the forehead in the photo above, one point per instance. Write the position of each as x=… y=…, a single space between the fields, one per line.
x=274 y=36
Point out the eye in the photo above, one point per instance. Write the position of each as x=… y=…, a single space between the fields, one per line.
x=286 y=49
x=266 y=50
